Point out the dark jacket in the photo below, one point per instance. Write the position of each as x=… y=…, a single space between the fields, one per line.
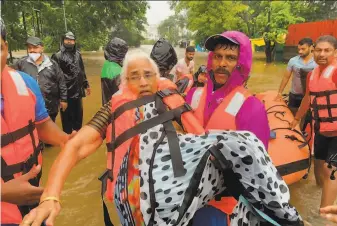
x=71 y=64
x=50 y=79
x=114 y=53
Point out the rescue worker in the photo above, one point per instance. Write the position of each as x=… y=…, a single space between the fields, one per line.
x=24 y=121
x=298 y=66
x=48 y=75
x=140 y=81
x=320 y=97
x=223 y=103
x=165 y=57
x=200 y=77
x=70 y=61
x=114 y=53
x=185 y=65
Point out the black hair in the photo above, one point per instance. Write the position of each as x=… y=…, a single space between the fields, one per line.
x=307 y=41
x=3 y=30
x=228 y=45
x=190 y=49
x=328 y=38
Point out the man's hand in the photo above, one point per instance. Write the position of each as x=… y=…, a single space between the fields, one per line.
x=88 y=91
x=294 y=123
x=278 y=97
x=63 y=105
x=329 y=213
x=19 y=191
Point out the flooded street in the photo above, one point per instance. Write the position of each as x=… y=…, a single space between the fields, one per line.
x=81 y=202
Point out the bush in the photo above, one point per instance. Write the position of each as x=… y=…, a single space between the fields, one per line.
x=51 y=44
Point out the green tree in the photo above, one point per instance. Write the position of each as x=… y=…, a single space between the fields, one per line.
x=91 y=21
x=274 y=21
x=171 y=29
x=268 y=19
x=210 y=17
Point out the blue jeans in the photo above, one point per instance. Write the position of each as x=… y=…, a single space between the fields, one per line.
x=209 y=216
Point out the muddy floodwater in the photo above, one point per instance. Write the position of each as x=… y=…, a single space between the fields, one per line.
x=81 y=201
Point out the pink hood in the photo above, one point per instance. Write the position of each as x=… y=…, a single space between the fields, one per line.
x=241 y=73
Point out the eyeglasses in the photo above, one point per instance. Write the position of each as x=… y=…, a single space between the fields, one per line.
x=136 y=77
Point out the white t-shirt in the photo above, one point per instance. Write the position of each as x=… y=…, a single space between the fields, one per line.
x=182 y=67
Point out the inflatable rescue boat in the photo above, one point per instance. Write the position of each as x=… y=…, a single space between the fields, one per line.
x=288 y=148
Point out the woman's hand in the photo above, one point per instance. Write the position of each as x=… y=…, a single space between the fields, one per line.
x=45 y=212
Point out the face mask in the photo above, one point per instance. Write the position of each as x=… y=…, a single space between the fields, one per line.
x=69 y=46
x=34 y=56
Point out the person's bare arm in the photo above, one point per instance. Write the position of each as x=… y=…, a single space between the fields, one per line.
x=84 y=143
x=304 y=107
x=50 y=133
x=284 y=83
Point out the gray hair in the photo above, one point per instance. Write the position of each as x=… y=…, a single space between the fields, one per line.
x=131 y=56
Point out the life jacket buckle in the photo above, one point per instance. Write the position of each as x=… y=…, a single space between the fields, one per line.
x=188 y=107
x=107 y=174
x=163 y=93
x=28 y=164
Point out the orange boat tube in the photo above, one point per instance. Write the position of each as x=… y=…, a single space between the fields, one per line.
x=288 y=148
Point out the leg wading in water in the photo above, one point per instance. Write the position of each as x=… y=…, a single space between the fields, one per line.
x=72 y=117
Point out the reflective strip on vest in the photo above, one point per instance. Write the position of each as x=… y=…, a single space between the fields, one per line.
x=196 y=98
x=312 y=74
x=327 y=72
x=235 y=104
x=19 y=83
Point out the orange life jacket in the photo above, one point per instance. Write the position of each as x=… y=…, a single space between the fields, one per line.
x=323 y=95
x=185 y=83
x=20 y=148
x=222 y=118
x=126 y=120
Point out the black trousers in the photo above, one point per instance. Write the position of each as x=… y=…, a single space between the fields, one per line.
x=53 y=116
x=109 y=87
x=72 y=117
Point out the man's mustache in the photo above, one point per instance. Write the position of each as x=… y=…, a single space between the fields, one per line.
x=222 y=70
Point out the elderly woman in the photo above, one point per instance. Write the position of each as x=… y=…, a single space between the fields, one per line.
x=165 y=176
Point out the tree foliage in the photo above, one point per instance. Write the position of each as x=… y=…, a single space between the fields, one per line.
x=268 y=19
x=209 y=17
x=174 y=29
x=92 y=21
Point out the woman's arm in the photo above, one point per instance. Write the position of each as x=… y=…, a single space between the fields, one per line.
x=84 y=143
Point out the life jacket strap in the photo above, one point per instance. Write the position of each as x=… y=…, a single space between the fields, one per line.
x=11 y=137
x=104 y=179
x=144 y=126
x=8 y=171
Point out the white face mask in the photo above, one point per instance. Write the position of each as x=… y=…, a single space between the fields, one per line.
x=34 y=56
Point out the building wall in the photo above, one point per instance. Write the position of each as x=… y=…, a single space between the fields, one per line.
x=311 y=30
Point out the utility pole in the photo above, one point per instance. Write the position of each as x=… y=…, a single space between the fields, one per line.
x=37 y=22
x=64 y=16
x=24 y=23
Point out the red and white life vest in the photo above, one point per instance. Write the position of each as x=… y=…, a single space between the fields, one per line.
x=323 y=96
x=222 y=118
x=126 y=120
x=20 y=149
